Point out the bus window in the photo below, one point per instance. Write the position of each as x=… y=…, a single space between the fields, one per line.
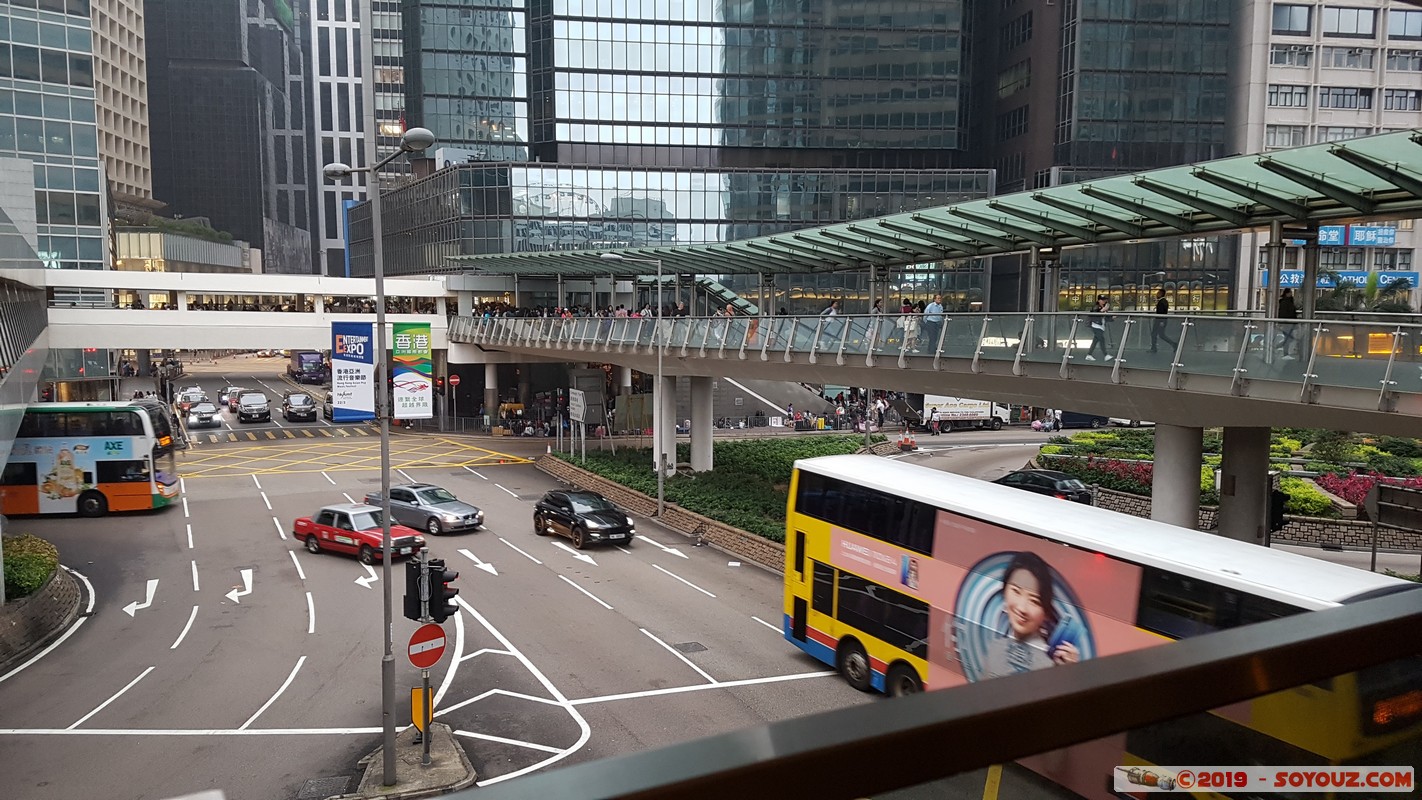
x=899 y=620
x=19 y=474
x=1180 y=607
x=82 y=424
x=822 y=600
x=122 y=471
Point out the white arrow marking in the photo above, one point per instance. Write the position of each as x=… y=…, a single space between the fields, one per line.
x=246 y=587
x=369 y=578
x=665 y=548
x=148 y=601
x=575 y=553
x=484 y=565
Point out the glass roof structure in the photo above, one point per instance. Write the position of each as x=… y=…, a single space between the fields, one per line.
x=1373 y=177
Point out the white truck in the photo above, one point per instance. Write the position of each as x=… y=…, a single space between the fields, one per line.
x=961 y=412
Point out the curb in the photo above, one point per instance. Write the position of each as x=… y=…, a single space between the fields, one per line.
x=373 y=763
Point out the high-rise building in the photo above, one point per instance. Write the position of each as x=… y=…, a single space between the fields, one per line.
x=227 y=104
x=121 y=83
x=47 y=117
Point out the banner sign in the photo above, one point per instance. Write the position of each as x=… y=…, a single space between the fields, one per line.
x=414 y=386
x=1357 y=235
x=352 y=371
x=1293 y=278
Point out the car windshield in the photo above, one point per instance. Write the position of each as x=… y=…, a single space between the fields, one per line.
x=205 y=408
x=583 y=503
x=300 y=400
x=252 y=399
x=437 y=495
x=366 y=520
x=1070 y=483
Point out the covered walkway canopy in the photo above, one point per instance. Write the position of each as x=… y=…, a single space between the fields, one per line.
x=1369 y=178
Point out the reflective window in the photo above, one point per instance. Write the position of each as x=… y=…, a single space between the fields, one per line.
x=1293 y=19
x=1357 y=22
x=1404 y=24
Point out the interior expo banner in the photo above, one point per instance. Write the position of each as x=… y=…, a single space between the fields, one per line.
x=352 y=371
x=414 y=386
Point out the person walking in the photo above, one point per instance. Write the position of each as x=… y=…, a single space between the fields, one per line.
x=1097 y=318
x=933 y=320
x=1157 y=326
x=1287 y=311
x=933 y=422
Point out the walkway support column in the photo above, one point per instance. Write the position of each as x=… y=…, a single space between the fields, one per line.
x=701 y=424
x=464 y=303
x=624 y=382
x=1175 y=481
x=491 y=390
x=1244 y=484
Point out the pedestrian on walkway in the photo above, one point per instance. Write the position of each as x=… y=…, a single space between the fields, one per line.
x=933 y=320
x=1157 y=326
x=1287 y=311
x=1098 y=318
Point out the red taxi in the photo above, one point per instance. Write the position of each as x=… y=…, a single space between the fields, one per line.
x=354 y=528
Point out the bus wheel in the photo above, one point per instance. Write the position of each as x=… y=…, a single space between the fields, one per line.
x=854 y=665
x=93 y=504
x=902 y=680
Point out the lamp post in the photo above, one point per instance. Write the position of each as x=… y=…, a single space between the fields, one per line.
x=415 y=140
x=658 y=413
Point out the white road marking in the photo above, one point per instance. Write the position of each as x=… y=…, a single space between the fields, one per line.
x=516 y=547
x=300 y=573
x=349 y=499
x=265 y=500
x=310 y=614
x=511 y=494
x=246 y=587
x=767 y=624
x=700 y=687
x=259 y=483
x=57 y=642
x=488 y=738
x=575 y=554
x=281 y=531
x=472 y=472
x=274 y=697
x=489 y=650
x=182 y=486
x=367 y=580
x=116 y=696
x=187 y=731
x=328 y=478
x=495 y=692
x=678 y=654
x=185 y=506
x=684 y=580
x=195 y=577
x=453 y=661
x=478 y=562
x=406 y=476
x=586 y=592
x=190 y=536
x=186 y=627
x=150 y=589
x=278 y=424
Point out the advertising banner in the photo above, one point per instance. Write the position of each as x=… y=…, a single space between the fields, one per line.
x=1293 y=278
x=66 y=468
x=413 y=367
x=352 y=371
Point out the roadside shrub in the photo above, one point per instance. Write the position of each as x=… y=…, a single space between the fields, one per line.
x=1404 y=576
x=1398 y=446
x=29 y=561
x=1304 y=500
x=1335 y=447
x=1354 y=486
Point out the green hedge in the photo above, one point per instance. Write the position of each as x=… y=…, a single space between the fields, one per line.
x=1304 y=499
x=748 y=488
x=29 y=561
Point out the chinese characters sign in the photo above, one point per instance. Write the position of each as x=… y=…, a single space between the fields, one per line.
x=414 y=389
x=352 y=371
x=1357 y=236
x=1293 y=278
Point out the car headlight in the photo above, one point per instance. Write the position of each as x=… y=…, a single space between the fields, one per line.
x=450 y=517
x=592 y=523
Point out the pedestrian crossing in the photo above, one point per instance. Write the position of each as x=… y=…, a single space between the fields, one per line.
x=280 y=434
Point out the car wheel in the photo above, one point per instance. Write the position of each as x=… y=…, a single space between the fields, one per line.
x=1095 y=422
x=853 y=665
x=433 y=526
x=92 y=504
x=367 y=556
x=313 y=545
x=997 y=424
x=1135 y=423
x=580 y=537
x=902 y=680
x=539 y=526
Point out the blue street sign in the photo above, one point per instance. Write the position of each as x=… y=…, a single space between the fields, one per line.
x=1372 y=236
x=1293 y=278
x=1331 y=235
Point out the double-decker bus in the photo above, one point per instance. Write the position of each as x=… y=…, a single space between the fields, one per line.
x=90 y=458
x=907 y=578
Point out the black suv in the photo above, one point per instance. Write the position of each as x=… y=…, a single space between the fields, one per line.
x=298 y=406
x=1048 y=482
x=584 y=517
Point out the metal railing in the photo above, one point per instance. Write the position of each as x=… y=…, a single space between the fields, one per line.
x=23 y=317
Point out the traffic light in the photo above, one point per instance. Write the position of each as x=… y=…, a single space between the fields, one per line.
x=442 y=605
x=439 y=386
x=1277 y=501
x=412 y=591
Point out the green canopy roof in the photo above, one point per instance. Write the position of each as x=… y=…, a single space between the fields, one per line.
x=1369 y=178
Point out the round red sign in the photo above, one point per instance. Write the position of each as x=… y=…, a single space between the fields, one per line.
x=453 y=380
x=427 y=645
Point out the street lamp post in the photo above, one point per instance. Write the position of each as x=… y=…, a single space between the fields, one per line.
x=415 y=140
x=658 y=413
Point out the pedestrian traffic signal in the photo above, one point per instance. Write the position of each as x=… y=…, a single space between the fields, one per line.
x=442 y=605
x=413 y=608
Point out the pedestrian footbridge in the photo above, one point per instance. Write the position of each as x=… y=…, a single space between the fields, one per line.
x=1209 y=370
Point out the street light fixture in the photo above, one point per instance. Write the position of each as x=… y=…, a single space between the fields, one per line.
x=658 y=413
x=415 y=140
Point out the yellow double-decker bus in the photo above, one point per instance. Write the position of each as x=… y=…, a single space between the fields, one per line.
x=905 y=578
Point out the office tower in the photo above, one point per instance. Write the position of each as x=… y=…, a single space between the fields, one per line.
x=229 y=124
x=121 y=84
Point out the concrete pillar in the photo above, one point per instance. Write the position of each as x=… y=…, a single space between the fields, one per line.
x=464 y=303
x=701 y=424
x=318 y=303
x=666 y=406
x=1175 y=484
x=1244 y=484
x=624 y=382
x=525 y=391
x=491 y=390
x=145 y=362
x=182 y=301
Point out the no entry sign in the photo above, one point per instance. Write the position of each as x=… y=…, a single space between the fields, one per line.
x=427 y=646
x=453 y=380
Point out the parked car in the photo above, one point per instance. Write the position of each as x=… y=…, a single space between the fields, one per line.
x=328 y=407
x=1076 y=419
x=1126 y=422
x=203 y=415
x=1049 y=482
x=187 y=399
x=298 y=406
x=584 y=517
x=253 y=407
x=354 y=528
x=430 y=507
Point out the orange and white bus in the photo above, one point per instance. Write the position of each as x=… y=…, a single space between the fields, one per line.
x=89 y=459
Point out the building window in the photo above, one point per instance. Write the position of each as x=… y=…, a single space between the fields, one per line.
x=1344 y=97
x=1357 y=22
x=1402 y=100
x=1015 y=33
x=1013 y=123
x=1288 y=96
x=1404 y=60
x=1347 y=57
x=1404 y=24
x=1285 y=135
x=1014 y=79
x=1291 y=55
x=1293 y=20
x=1328 y=133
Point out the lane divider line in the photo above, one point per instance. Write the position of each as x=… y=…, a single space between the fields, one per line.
x=594 y=597
x=310 y=614
x=767 y=624
x=186 y=627
x=328 y=478
x=678 y=654
x=510 y=494
x=116 y=696
x=300 y=573
x=501 y=740
x=190 y=536
x=472 y=472
x=521 y=552
x=195 y=577
x=265 y=500
x=281 y=531
x=683 y=580
x=701 y=687
x=274 y=697
x=254 y=480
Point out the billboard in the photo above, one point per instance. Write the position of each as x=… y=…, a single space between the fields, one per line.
x=414 y=386
x=352 y=371
x=1293 y=278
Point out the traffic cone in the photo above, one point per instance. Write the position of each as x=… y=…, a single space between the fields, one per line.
x=548 y=449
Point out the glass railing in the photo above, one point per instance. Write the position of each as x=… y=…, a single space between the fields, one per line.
x=23 y=317
x=1268 y=709
x=1138 y=349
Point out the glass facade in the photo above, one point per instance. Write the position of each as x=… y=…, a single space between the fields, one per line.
x=47 y=116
